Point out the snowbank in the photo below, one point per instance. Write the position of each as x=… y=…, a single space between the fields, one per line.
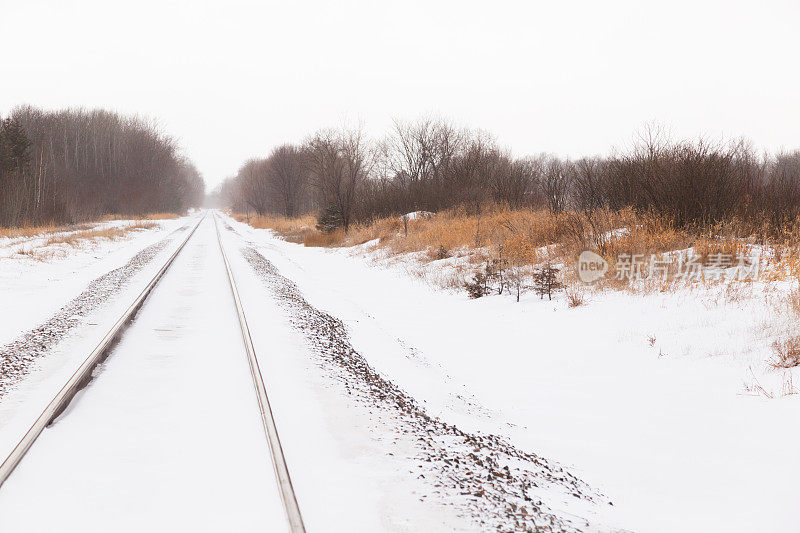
x=652 y=398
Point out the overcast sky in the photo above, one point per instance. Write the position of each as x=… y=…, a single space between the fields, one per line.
x=232 y=79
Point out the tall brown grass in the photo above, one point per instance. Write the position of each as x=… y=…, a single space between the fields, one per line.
x=30 y=231
x=786 y=353
x=162 y=216
x=149 y=216
x=42 y=229
x=450 y=229
x=527 y=237
x=292 y=229
x=113 y=233
x=46 y=250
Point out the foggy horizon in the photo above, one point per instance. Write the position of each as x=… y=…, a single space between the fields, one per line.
x=232 y=81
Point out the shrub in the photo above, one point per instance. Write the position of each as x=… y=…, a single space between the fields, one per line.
x=329 y=220
x=575 y=295
x=786 y=353
x=545 y=281
x=478 y=286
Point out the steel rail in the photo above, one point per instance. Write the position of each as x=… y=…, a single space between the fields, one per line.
x=83 y=375
x=278 y=459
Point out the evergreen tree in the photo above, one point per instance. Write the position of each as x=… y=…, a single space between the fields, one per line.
x=545 y=282
x=329 y=220
x=14 y=145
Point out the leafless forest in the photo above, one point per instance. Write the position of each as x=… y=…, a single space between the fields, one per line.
x=73 y=165
x=431 y=165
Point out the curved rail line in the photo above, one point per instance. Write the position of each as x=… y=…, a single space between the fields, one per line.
x=278 y=459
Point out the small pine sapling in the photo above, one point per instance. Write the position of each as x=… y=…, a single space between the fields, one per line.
x=478 y=286
x=329 y=220
x=480 y=283
x=545 y=281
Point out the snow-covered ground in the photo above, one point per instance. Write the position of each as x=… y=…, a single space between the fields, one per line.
x=651 y=399
x=32 y=290
x=335 y=447
x=58 y=311
x=401 y=406
x=167 y=437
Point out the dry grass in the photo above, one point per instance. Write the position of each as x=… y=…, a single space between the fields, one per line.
x=789 y=264
x=707 y=248
x=794 y=301
x=449 y=230
x=149 y=216
x=48 y=249
x=162 y=216
x=113 y=233
x=649 y=236
x=43 y=229
x=292 y=229
x=786 y=353
x=30 y=231
x=520 y=231
x=527 y=238
x=575 y=295
x=651 y=239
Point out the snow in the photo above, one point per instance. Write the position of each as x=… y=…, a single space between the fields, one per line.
x=39 y=288
x=343 y=478
x=647 y=397
x=651 y=398
x=168 y=435
x=415 y=215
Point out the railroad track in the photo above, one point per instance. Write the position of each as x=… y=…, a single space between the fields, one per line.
x=278 y=460
x=83 y=376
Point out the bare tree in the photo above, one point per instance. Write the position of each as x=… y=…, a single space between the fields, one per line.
x=83 y=164
x=339 y=162
x=555 y=184
x=287 y=175
x=516 y=181
x=422 y=155
x=587 y=185
x=255 y=185
x=430 y=165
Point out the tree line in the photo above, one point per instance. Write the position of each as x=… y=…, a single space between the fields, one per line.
x=430 y=165
x=76 y=164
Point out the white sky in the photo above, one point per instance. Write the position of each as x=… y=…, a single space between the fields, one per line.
x=232 y=79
